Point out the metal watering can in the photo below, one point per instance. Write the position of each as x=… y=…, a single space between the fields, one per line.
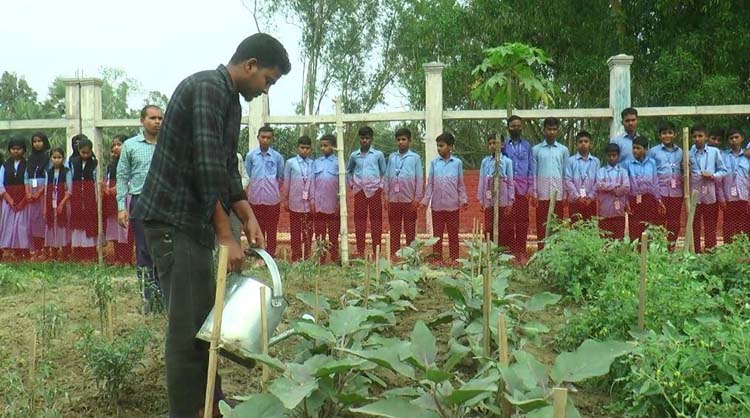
x=241 y=325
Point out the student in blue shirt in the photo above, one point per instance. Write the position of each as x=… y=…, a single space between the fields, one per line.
x=625 y=139
x=446 y=195
x=550 y=158
x=668 y=157
x=326 y=196
x=519 y=151
x=485 y=193
x=404 y=182
x=734 y=190
x=612 y=188
x=706 y=169
x=646 y=206
x=716 y=137
x=580 y=180
x=365 y=171
x=297 y=199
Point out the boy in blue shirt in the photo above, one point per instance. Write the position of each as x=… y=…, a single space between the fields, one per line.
x=668 y=157
x=645 y=205
x=734 y=190
x=365 y=172
x=612 y=188
x=549 y=162
x=404 y=182
x=297 y=198
x=446 y=194
x=580 y=179
x=485 y=193
x=706 y=169
x=326 y=196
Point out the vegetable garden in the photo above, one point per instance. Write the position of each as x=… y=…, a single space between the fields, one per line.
x=405 y=339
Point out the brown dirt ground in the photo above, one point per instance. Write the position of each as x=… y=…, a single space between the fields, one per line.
x=145 y=396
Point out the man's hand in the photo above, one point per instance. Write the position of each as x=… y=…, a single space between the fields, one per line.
x=723 y=205
x=123 y=219
x=532 y=200
x=60 y=210
x=414 y=206
x=253 y=233
x=662 y=209
x=464 y=206
x=706 y=175
x=236 y=256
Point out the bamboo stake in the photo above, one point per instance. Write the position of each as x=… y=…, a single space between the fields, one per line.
x=344 y=228
x=550 y=212
x=487 y=305
x=264 y=333
x=686 y=184
x=317 y=292
x=689 y=243
x=502 y=340
x=388 y=249
x=642 y=292
x=32 y=367
x=560 y=402
x=377 y=266
x=213 y=353
x=367 y=279
x=496 y=193
x=110 y=327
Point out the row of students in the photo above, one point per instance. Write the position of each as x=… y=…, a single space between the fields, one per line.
x=49 y=203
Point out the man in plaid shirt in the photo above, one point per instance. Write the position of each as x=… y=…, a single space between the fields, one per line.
x=192 y=185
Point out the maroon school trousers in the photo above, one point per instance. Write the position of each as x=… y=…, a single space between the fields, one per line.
x=300 y=234
x=519 y=225
x=268 y=220
x=736 y=220
x=642 y=214
x=504 y=227
x=330 y=224
x=398 y=214
x=542 y=208
x=708 y=216
x=443 y=220
x=581 y=212
x=363 y=205
x=671 y=220
x=615 y=226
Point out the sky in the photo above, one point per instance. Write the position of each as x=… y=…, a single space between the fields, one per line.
x=157 y=42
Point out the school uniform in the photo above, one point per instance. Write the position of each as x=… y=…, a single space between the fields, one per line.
x=83 y=210
x=36 y=177
x=580 y=179
x=669 y=171
x=121 y=237
x=326 y=199
x=644 y=195
x=625 y=141
x=612 y=188
x=14 y=224
x=445 y=194
x=59 y=183
x=485 y=196
x=549 y=164
x=404 y=184
x=523 y=174
x=298 y=192
x=733 y=193
x=266 y=172
x=365 y=172
x=707 y=209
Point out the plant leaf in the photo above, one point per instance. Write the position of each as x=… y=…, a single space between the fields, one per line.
x=314 y=332
x=423 y=345
x=394 y=408
x=592 y=358
x=352 y=319
x=473 y=388
x=539 y=301
x=291 y=392
x=263 y=405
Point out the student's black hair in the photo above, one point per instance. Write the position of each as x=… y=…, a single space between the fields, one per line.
x=699 y=128
x=628 y=111
x=85 y=142
x=17 y=141
x=266 y=49
x=403 y=132
x=551 y=121
x=612 y=148
x=641 y=140
x=74 y=141
x=733 y=131
x=665 y=126
x=330 y=138
x=144 y=110
x=446 y=138
x=304 y=140
x=120 y=137
x=583 y=134
x=717 y=132
x=59 y=150
x=492 y=136
x=41 y=135
x=365 y=131
x=512 y=118
x=265 y=128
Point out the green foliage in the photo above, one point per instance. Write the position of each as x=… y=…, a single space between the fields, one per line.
x=112 y=363
x=10 y=280
x=412 y=255
x=103 y=295
x=49 y=320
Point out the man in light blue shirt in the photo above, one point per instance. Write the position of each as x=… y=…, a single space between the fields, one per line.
x=550 y=158
x=706 y=169
x=734 y=191
x=404 y=182
x=326 y=196
x=580 y=180
x=265 y=167
x=364 y=174
x=625 y=139
x=132 y=168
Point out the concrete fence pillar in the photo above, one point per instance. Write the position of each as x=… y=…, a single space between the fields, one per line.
x=83 y=110
x=433 y=108
x=619 y=89
x=257 y=118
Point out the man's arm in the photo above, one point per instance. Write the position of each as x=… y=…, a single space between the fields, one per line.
x=123 y=174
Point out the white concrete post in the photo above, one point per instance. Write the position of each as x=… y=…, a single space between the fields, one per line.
x=258 y=117
x=83 y=110
x=433 y=115
x=619 y=89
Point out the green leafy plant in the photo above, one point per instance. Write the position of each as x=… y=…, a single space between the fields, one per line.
x=103 y=295
x=412 y=255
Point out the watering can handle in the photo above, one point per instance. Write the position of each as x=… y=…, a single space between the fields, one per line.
x=278 y=292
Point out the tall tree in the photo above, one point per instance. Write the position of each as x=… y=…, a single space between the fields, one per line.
x=17 y=99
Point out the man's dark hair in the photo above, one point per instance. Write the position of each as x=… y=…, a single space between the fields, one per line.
x=365 y=131
x=734 y=131
x=514 y=117
x=446 y=138
x=612 y=148
x=266 y=49
x=403 y=132
x=330 y=138
x=665 y=126
x=304 y=140
x=583 y=134
x=145 y=109
x=717 y=132
x=699 y=128
x=265 y=128
x=628 y=111
x=551 y=121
